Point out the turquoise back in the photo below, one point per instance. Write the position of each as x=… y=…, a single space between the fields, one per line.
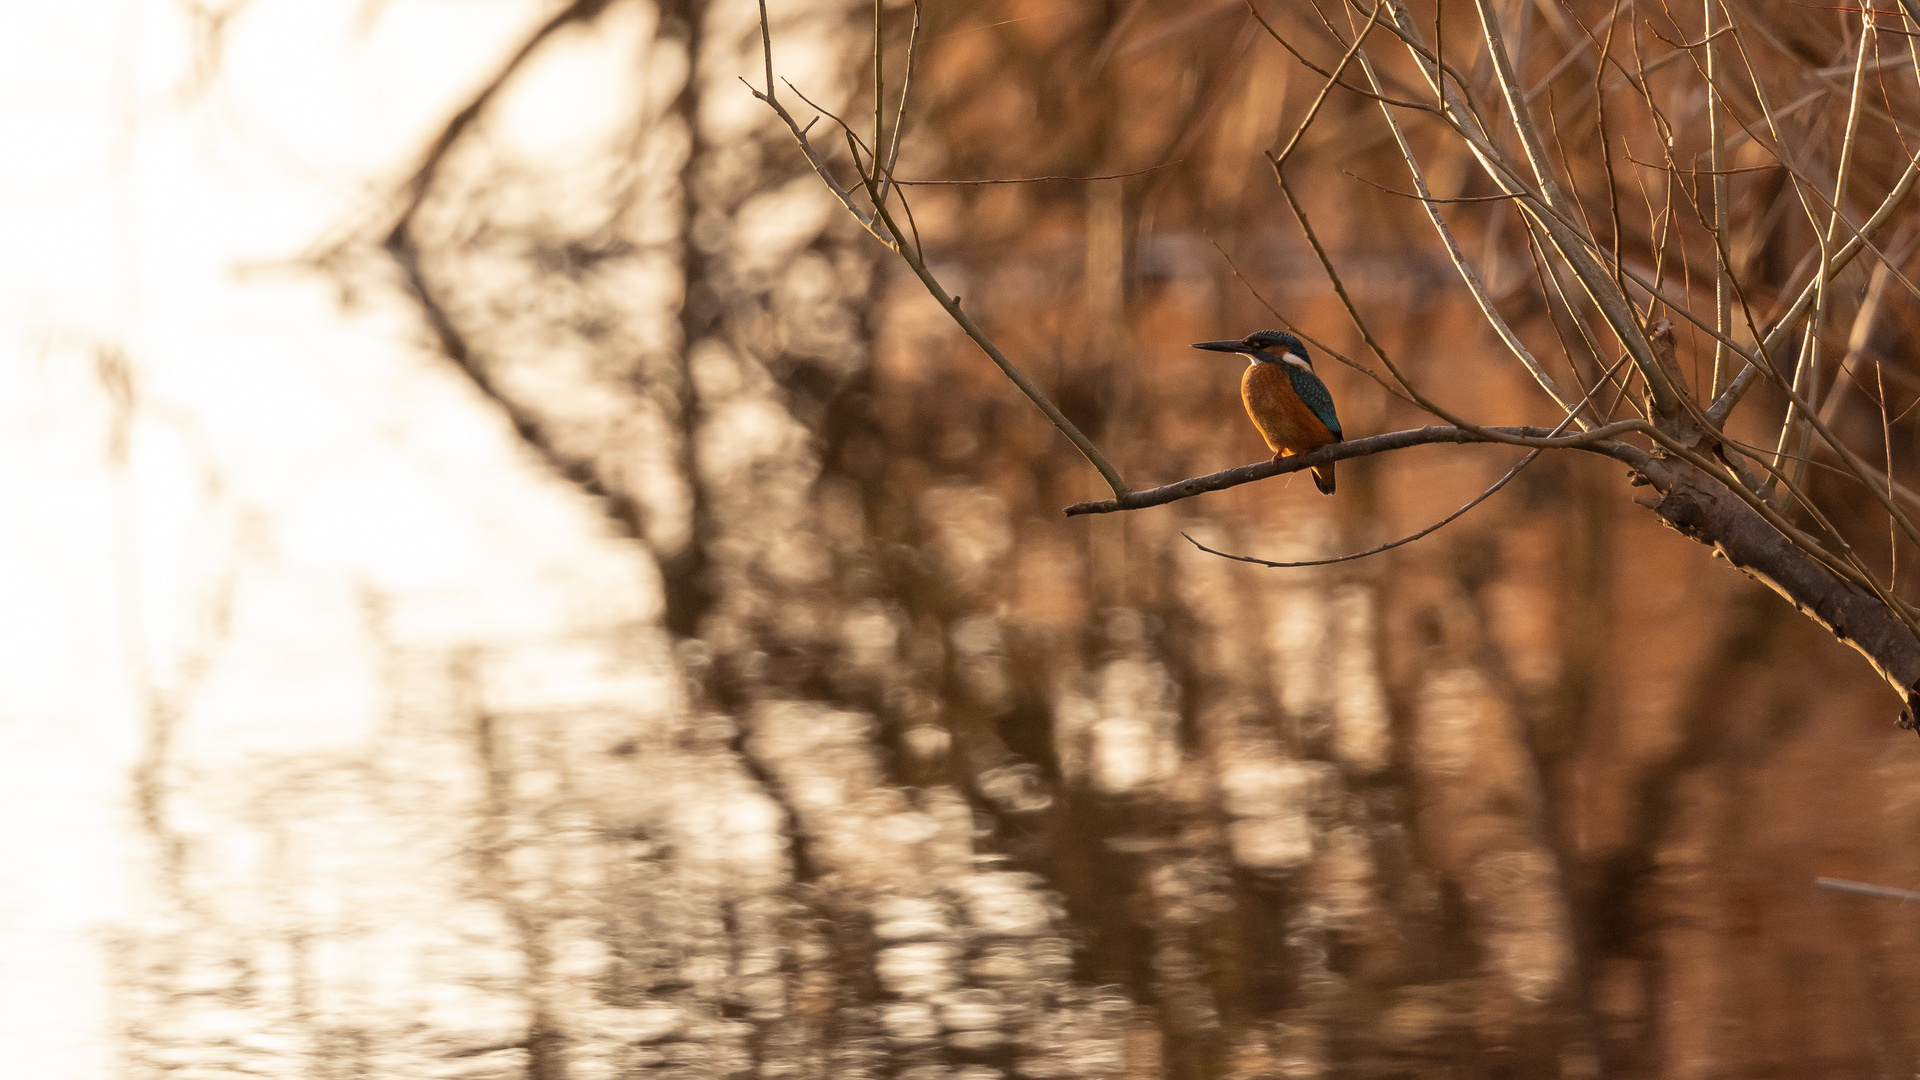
x=1315 y=394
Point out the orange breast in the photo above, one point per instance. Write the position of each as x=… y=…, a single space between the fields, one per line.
x=1283 y=419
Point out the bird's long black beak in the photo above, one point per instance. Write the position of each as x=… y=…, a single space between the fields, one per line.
x=1221 y=346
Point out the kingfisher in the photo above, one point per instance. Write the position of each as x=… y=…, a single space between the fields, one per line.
x=1287 y=401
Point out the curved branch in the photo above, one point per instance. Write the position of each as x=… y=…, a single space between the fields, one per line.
x=1598 y=441
x=1389 y=545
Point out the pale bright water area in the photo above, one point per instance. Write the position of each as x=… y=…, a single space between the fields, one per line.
x=231 y=509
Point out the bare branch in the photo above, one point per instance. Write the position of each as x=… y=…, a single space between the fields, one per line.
x=906 y=87
x=1704 y=510
x=1807 y=374
x=1429 y=198
x=1864 y=889
x=1574 y=246
x=1722 y=277
x=1327 y=88
x=1603 y=441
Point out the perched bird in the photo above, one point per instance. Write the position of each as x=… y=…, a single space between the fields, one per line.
x=1288 y=402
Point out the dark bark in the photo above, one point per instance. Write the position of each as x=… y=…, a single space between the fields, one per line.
x=1705 y=511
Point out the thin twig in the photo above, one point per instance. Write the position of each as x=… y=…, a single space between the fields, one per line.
x=1577 y=251
x=1672 y=168
x=1841 y=176
x=1843 y=564
x=900 y=115
x=1429 y=198
x=972 y=329
x=1722 y=298
x=1327 y=88
x=1301 y=333
x=1038 y=179
x=1573 y=246
x=1886 y=440
x=1480 y=295
x=881 y=226
x=1324 y=73
x=1864 y=889
x=1525 y=460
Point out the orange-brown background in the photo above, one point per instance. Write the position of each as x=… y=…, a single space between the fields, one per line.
x=744 y=705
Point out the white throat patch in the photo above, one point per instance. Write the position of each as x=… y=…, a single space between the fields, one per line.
x=1285 y=358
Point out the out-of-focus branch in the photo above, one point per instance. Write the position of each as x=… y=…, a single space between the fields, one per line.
x=404 y=248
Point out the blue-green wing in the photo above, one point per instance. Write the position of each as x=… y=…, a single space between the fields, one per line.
x=1314 y=393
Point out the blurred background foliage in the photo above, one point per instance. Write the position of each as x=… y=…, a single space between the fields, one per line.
x=902 y=773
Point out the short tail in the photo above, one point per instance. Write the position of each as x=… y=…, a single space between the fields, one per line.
x=1323 y=478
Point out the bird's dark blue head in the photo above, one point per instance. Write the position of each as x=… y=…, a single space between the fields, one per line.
x=1264 y=347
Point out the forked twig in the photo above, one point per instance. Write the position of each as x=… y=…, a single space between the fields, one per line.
x=880 y=225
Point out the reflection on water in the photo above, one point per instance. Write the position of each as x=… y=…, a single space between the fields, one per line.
x=645 y=642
